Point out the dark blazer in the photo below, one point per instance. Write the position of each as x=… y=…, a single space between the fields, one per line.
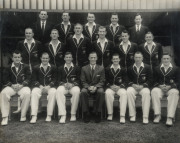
x=38 y=33
x=154 y=58
x=10 y=76
x=138 y=37
x=30 y=57
x=97 y=79
x=170 y=77
x=57 y=59
x=144 y=77
x=71 y=76
x=40 y=77
x=127 y=59
x=62 y=35
x=104 y=58
x=118 y=78
x=79 y=51
x=94 y=32
x=114 y=37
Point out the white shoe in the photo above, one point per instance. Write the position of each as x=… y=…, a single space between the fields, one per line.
x=73 y=117
x=157 y=119
x=33 y=120
x=48 y=118
x=109 y=118
x=122 y=120
x=169 y=122
x=133 y=119
x=145 y=120
x=23 y=119
x=4 y=121
x=63 y=119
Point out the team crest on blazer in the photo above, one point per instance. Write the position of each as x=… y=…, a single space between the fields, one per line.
x=49 y=79
x=108 y=54
x=60 y=55
x=171 y=81
x=156 y=56
x=97 y=36
x=143 y=77
x=119 y=80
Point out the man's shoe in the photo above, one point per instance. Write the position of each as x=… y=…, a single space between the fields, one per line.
x=122 y=120
x=48 y=118
x=4 y=121
x=133 y=119
x=110 y=117
x=98 y=117
x=73 y=117
x=23 y=119
x=157 y=119
x=63 y=119
x=169 y=122
x=86 y=117
x=33 y=120
x=145 y=120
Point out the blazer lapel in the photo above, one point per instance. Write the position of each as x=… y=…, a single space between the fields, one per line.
x=95 y=71
x=146 y=49
x=58 y=47
x=87 y=31
x=105 y=46
x=51 y=50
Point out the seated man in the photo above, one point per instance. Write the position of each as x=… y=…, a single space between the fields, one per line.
x=140 y=79
x=16 y=81
x=43 y=83
x=68 y=81
x=116 y=83
x=166 y=83
x=92 y=79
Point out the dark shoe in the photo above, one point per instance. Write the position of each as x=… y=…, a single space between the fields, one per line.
x=86 y=117
x=98 y=117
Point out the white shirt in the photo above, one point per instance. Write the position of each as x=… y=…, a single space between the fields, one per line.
x=149 y=46
x=137 y=27
x=54 y=46
x=112 y=66
x=142 y=65
x=78 y=39
x=114 y=27
x=125 y=46
x=29 y=44
x=42 y=24
x=92 y=66
x=65 y=66
x=13 y=65
x=90 y=28
x=66 y=26
x=170 y=66
x=102 y=43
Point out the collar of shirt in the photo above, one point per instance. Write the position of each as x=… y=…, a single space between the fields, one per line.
x=82 y=36
x=122 y=43
x=170 y=65
x=65 y=65
x=43 y=21
x=41 y=66
x=57 y=43
x=33 y=41
x=153 y=44
x=142 y=65
x=67 y=24
x=98 y=41
x=137 y=26
x=112 y=66
x=13 y=65
x=87 y=24
x=92 y=66
x=111 y=25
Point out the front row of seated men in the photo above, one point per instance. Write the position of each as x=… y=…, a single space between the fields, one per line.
x=93 y=80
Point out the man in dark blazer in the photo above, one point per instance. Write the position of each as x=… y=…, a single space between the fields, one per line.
x=166 y=82
x=55 y=49
x=90 y=29
x=103 y=47
x=42 y=28
x=66 y=28
x=30 y=49
x=126 y=50
x=43 y=84
x=68 y=82
x=92 y=80
x=152 y=51
x=116 y=80
x=79 y=46
x=114 y=30
x=16 y=79
x=138 y=31
x=140 y=81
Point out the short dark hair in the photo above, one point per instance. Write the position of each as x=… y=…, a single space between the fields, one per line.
x=149 y=32
x=16 y=52
x=116 y=54
x=55 y=30
x=67 y=53
x=101 y=27
x=166 y=53
x=93 y=52
x=125 y=31
x=78 y=24
x=45 y=53
x=138 y=52
x=29 y=28
x=114 y=14
x=137 y=14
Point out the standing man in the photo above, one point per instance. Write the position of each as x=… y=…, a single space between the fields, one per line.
x=90 y=29
x=30 y=49
x=16 y=81
x=116 y=83
x=92 y=79
x=103 y=47
x=152 y=51
x=79 y=46
x=140 y=79
x=166 y=85
x=138 y=31
x=114 y=30
x=42 y=28
x=65 y=28
x=55 y=49
x=126 y=50
x=43 y=83
x=68 y=82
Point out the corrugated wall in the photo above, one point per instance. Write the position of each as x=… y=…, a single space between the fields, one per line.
x=84 y=5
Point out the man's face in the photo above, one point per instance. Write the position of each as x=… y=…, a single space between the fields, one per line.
x=45 y=59
x=91 y=18
x=78 y=29
x=125 y=37
x=149 y=38
x=93 y=58
x=29 y=34
x=54 y=35
x=16 y=58
x=65 y=17
x=43 y=15
x=166 y=59
x=115 y=60
x=138 y=20
x=68 y=58
x=114 y=19
x=138 y=58
x=102 y=33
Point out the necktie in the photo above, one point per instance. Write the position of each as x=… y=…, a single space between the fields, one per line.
x=137 y=28
x=92 y=70
x=43 y=27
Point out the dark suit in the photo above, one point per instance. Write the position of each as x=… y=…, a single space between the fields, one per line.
x=127 y=59
x=97 y=80
x=138 y=37
x=58 y=58
x=104 y=58
x=114 y=37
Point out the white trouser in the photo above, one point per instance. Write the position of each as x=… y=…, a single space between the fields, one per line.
x=172 y=98
x=36 y=95
x=6 y=94
x=61 y=99
x=131 y=95
x=109 y=98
